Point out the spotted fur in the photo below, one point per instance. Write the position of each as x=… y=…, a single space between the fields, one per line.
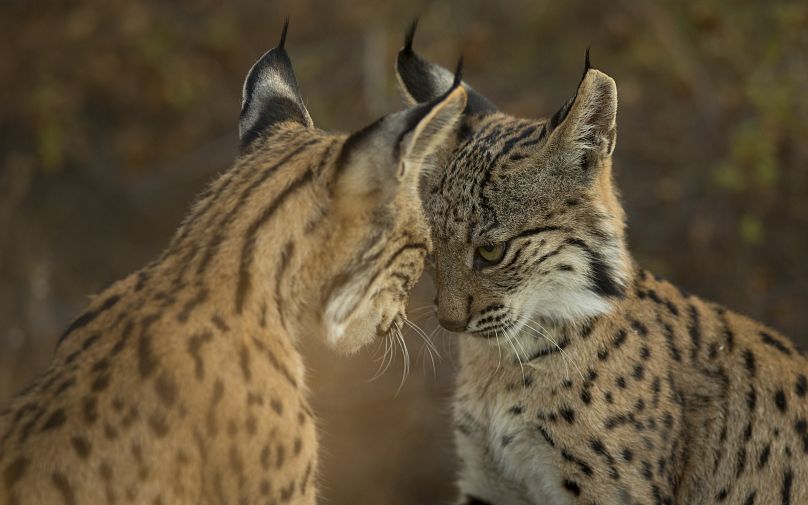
x=182 y=383
x=583 y=378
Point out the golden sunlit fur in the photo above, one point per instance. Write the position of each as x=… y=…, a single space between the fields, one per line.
x=182 y=383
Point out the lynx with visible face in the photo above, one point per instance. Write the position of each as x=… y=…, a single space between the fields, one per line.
x=583 y=378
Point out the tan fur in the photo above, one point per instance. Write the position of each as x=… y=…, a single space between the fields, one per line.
x=583 y=379
x=676 y=430
x=182 y=383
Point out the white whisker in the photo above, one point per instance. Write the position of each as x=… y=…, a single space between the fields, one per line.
x=421 y=333
x=518 y=358
x=543 y=333
x=405 y=356
x=499 y=348
x=387 y=358
x=428 y=345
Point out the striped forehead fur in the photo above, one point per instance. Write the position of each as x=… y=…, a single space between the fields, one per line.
x=541 y=187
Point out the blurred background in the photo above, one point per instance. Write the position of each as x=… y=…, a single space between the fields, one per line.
x=115 y=113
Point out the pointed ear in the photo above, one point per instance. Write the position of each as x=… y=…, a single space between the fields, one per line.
x=393 y=150
x=588 y=120
x=270 y=95
x=422 y=81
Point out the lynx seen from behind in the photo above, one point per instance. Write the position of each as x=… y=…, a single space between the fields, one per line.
x=181 y=383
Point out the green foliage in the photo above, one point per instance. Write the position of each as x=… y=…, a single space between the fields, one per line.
x=751 y=229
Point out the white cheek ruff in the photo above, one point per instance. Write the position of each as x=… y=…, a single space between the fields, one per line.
x=565 y=302
x=339 y=307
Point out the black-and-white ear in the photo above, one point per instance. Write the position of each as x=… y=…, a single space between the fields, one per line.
x=423 y=81
x=270 y=95
x=394 y=149
x=588 y=120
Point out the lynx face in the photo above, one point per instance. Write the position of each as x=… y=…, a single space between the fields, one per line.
x=524 y=219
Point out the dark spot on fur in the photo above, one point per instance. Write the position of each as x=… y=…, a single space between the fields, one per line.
x=280 y=455
x=63 y=486
x=764 y=456
x=639 y=327
x=55 y=420
x=244 y=362
x=89 y=316
x=158 y=424
x=287 y=492
x=147 y=362
x=647 y=470
x=572 y=487
x=516 y=410
x=785 y=492
x=89 y=408
x=194 y=344
x=15 y=471
x=110 y=432
x=166 y=389
x=770 y=340
x=780 y=400
x=82 y=446
x=749 y=362
x=801 y=386
x=568 y=414
x=546 y=435
x=265 y=455
x=251 y=425
x=100 y=383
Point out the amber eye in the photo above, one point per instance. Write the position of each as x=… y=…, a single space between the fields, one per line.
x=490 y=254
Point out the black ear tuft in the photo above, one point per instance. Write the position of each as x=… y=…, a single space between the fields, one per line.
x=561 y=114
x=285 y=29
x=409 y=36
x=588 y=121
x=587 y=65
x=270 y=95
x=458 y=75
x=424 y=81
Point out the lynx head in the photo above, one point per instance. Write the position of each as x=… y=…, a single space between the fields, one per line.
x=525 y=220
x=363 y=234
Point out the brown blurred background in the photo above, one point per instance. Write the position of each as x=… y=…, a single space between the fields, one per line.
x=114 y=113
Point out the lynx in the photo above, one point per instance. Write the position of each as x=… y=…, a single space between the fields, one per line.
x=181 y=383
x=583 y=378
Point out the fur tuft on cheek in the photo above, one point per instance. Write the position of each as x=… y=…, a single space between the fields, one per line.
x=342 y=305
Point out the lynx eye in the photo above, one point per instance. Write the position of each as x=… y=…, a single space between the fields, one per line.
x=490 y=254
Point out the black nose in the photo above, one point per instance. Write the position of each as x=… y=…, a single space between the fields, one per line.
x=452 y=325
